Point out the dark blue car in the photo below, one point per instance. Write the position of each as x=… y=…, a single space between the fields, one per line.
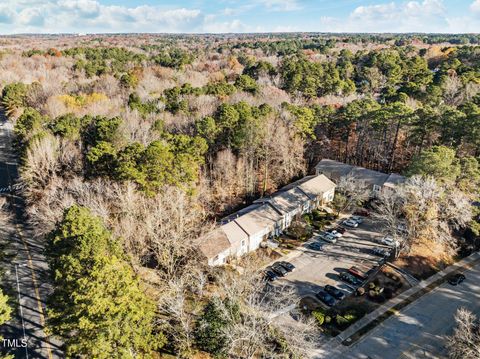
x=326 y=298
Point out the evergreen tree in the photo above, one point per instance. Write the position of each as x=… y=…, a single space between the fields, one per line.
x=98 y=306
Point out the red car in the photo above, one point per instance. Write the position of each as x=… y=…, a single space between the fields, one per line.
x=340 y=229
x=357 y=272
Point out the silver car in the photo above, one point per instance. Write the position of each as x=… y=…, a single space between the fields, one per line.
x=327 y=237
x=389 y=241
x=350 y=223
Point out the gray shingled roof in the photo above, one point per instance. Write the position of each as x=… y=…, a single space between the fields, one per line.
x=213 y=243
x=234 y=233
x=288 y=201
x=317 y=186
x=394 y=179
x=333 y=169
x=257 y=220
x=369 y=177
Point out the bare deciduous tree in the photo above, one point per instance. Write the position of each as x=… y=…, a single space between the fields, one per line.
x=464 y=343
x=350 y=193
x=424 y=210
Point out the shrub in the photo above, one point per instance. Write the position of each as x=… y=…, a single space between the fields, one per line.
x=319 y=316
x=388 y=292
x=317 y=215
x=307 y=217
x=342 y=322
x=360 y=291
x=350 y=317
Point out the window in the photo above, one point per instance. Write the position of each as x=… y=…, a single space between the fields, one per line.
x=243 y=243
x=376 y=188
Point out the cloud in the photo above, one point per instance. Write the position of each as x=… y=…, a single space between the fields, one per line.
x=281 y=5
x=426 y=16
x=235 y=26
x=81 y=15
x=95 y=16
x=412 y=16
x=475 y=7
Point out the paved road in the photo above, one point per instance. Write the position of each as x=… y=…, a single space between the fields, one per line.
x=24 y=272
x=417 y=332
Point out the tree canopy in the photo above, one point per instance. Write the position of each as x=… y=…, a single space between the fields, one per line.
x=98 y=305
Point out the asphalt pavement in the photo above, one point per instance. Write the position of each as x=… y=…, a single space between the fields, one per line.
x=419 y=330
x=315 y=269
x=23 y=270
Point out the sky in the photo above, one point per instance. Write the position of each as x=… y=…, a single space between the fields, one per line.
x=229 y=16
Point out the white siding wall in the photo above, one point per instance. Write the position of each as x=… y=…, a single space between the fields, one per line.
x=220 y=259
x=256 y=239
x=328 y=196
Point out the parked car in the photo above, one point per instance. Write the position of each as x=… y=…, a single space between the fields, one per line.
x=270 y=275
x=347 y=277
x=362 y=212
x=288 y=266
x=340 y=230
x=334 y=292
x=334 y=233
x=316 y=246
x=325 y=298
x=382 y=252
x=350 y=223
x=389 y=241
x=279 y=269
x=357 y=219
x=456 y=279
x=357 y=272
x=327 y=237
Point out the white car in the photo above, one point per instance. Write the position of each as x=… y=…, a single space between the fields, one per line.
x=357 y=219
x=334 y=233
x=389 y=241
x=327 y=237
x=350 y=223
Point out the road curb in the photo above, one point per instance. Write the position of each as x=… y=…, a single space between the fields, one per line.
x=346 y=336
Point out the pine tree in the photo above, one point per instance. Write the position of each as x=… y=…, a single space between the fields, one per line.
x=98 y=305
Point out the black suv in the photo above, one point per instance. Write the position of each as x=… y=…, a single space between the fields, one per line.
x=279 y=269
x=270 y=275
x=325 y=298
x=288 y=266
x=334 y=292
x=347 y=277
x=456 y=279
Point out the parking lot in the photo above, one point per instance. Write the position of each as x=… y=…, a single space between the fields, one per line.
x=314 y=269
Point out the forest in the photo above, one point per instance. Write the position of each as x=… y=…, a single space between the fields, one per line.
x=132 y=146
